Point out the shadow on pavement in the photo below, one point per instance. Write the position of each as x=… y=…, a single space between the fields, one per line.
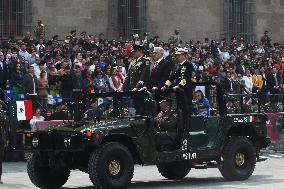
x=219 y=182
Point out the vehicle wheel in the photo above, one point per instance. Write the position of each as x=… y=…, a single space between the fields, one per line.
x=239 y=159
x=174 y=170
x=111 y=166
x=46 y=177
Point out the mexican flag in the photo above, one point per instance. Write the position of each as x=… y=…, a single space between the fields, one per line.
x=24 y=110
x=251 y=119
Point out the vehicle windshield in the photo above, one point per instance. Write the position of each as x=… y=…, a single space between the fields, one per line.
x=204 y=101
x=126 y=104
x=108 y=105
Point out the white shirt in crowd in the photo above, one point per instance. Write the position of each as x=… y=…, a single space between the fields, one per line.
x=225 y=56
x=36 y=70
x=247 y=82
x=34 y=120
x=38 y=47
x=166 y=53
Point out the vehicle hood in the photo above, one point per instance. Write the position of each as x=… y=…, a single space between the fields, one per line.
x=108 y=124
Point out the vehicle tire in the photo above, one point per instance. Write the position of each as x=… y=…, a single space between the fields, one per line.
x=174 y=170
x=239 y=159
x=46 y=177
x=111 y=166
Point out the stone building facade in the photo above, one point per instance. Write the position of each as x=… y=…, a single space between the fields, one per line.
x=196 y=19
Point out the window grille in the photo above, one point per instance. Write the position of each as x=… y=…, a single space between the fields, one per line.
x=131 y=18
x=15 y=17
x=239 y=19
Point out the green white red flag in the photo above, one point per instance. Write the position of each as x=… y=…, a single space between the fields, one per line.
x=251 y=119
x=24 y=110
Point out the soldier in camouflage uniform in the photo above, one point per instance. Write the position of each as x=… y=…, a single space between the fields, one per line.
x=3 y=140
x=39 y=30
x=166 y=127
x=175 y=38
x=138 y=72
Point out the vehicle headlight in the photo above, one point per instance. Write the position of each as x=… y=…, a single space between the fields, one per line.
x=35 y=142
x=67 y=142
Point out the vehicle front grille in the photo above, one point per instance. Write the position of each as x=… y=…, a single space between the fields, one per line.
x=55 y=141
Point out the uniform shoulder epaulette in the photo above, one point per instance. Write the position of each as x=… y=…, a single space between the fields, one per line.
x=174 y=113
x=147 y=62
x=146 y=59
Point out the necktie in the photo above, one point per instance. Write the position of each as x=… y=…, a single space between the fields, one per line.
x=155 y=65
x=264 y=78
x=34 y=90
x=195 y=67
x=276 y=82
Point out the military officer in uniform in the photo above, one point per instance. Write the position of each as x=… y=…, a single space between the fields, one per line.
x=138 y=72
x=166 y=127
x=3 y=140
x=181 y=76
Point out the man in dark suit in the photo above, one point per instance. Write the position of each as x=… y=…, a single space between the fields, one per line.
x=30 y=82
x=30 y=85
x=4 y=74
x=226 y=82
x=95 y=112
x=181 y=76
x=264 y=89
x=273 y=83
x=138 y=72
x=240 y=69
x=160 y=69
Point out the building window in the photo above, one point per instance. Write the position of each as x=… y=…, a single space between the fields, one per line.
x=131 y=18
x=15 y=17
x=239 y=19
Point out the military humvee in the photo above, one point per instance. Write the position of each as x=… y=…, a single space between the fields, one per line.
x=108 y=150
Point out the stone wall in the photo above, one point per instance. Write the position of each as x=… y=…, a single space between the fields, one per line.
x=196 y=19
x=62 y=16
x=270 y=16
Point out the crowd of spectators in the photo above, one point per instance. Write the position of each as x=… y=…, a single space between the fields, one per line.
x=45 y=67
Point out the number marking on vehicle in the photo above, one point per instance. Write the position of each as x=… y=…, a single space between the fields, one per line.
x=184 y=145
x=189 y=156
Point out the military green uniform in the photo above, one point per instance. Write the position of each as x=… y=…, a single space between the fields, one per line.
x=138 y=74
x=39 y=30
x=166 y=129
x=3 y=139
x=175 y=39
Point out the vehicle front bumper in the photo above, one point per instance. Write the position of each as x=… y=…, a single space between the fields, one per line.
x=52 y=141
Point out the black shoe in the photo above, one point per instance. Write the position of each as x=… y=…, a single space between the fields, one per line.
x=1 y=182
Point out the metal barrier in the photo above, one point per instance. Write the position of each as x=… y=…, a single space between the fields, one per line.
x=255 y=102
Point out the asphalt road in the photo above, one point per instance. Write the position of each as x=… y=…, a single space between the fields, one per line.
x=268 y=174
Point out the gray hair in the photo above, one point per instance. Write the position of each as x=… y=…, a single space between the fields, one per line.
x=159 y=49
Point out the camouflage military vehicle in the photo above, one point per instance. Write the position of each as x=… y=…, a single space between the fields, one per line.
x=125 y=135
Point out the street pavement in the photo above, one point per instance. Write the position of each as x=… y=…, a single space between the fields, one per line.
x=268 y=174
